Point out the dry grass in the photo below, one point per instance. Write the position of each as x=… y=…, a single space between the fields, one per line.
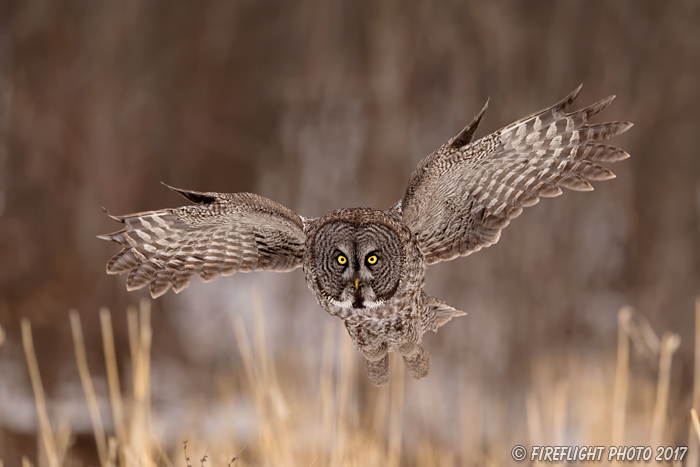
x=86 y=380
x=325 y=427
x=47 y=437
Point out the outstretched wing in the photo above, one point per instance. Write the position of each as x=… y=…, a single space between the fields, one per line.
x=221 y=234
x=460 y=197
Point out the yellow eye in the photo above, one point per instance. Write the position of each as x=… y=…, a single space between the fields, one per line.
x=372 y=259
x=342 y=259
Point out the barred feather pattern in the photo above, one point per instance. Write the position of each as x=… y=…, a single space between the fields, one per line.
x=222 y=234
x=460 y=197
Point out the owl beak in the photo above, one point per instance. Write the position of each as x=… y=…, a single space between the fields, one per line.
x=357 y=283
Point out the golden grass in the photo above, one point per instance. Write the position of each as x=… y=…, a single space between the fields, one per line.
x=621 y=376
x=694 y=428
x=695 y=422
x=669 y=345
x=88 y=388
x=49 y=444
x=327 y=426
x=115 y=395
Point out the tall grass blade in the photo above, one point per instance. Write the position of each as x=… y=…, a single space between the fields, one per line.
x=39 y=396
x=669 y=344
x=396 y=415
x=115 y=394
x=88 y=388
x=693 y=456
x=621 y=376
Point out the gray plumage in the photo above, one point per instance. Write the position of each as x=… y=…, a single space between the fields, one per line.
x=367 y=266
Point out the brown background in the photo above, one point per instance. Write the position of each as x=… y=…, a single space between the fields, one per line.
x=320 y=105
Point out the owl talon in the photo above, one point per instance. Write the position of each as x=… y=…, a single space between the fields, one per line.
x=418 y=363
x=378 y=371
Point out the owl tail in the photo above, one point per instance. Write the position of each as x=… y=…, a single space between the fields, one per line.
x=437 y=313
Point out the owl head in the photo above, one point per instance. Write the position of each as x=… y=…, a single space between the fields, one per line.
x=357 y=260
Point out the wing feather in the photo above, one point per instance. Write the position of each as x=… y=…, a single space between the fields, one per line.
x=222 y=234
x=460 y=197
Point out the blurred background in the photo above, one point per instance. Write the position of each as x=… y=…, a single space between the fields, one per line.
x=326 y=104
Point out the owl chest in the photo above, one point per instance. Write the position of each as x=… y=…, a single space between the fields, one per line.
x=389 y=329
x=374 y=336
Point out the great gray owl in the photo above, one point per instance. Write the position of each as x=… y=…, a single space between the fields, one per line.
x=367 y=266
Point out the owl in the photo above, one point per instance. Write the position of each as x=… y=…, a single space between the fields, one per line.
x=367 y=266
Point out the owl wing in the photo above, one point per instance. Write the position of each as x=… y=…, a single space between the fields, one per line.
x=221 y=234
x=460 y=197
